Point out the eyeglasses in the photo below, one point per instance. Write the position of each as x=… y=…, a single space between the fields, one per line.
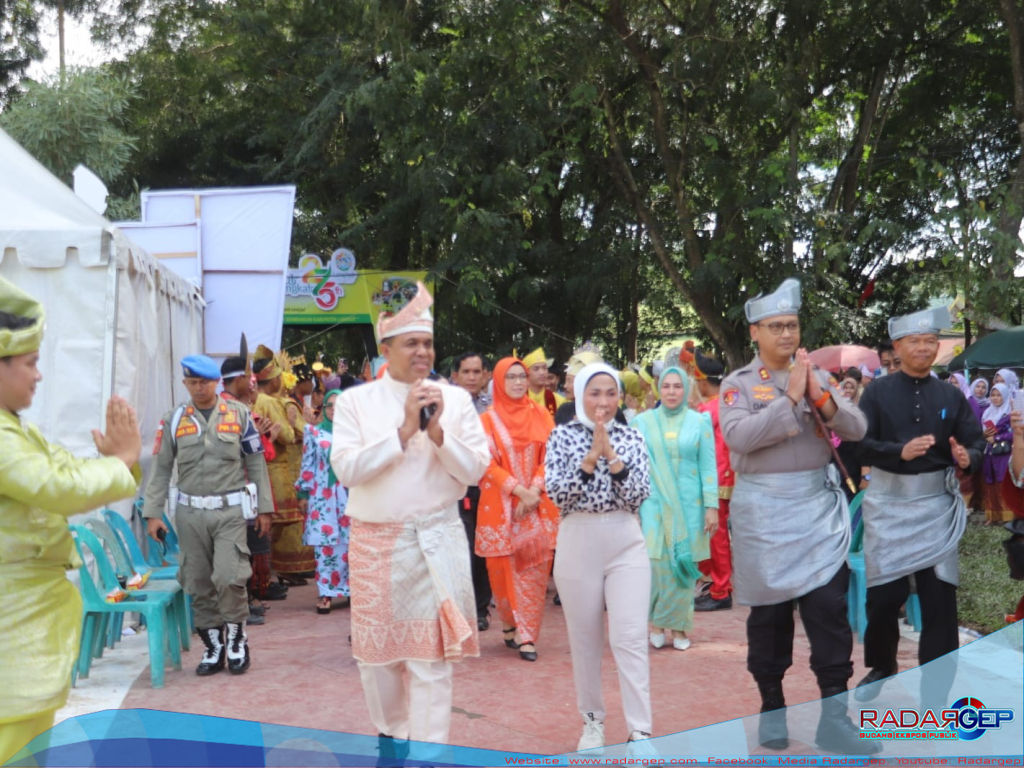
x=776 y=329
x=516 y=377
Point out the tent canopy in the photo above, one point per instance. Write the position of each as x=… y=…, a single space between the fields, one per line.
x=1002 y=349
x=116 y=320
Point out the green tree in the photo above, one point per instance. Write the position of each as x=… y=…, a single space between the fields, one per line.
x=80 y=119
x=19 y=45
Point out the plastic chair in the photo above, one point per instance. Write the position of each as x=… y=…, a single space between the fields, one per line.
x=857 y=594
x=157 y=556
x=914 y=612
x=126 y=536
x=121 y=533
x=163 y=618
x=122 y=569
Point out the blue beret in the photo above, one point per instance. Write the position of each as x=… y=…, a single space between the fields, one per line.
x=200 y=367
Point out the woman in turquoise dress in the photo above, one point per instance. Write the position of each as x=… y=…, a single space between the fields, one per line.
x=681 y=514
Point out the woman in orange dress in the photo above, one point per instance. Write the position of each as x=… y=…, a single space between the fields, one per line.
x=517 y=524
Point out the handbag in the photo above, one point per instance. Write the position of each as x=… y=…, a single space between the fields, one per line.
x=1001 y=447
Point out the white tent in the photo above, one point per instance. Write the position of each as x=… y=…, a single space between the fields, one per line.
x=117 y=321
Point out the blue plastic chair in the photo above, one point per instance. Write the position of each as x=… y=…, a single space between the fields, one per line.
x=163 y=618
x=857 y=594
x=914 y=612
x=123 y=569
x=157 y=556
x=126 y=536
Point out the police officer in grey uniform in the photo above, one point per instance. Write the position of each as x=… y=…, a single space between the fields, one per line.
x=222 y=477
x=789 y=518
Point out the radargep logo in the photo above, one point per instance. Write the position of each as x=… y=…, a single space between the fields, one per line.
x=965 y=719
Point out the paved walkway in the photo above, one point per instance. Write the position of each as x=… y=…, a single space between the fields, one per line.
x=303 y=675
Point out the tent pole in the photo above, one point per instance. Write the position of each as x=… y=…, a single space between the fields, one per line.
x=110 y=337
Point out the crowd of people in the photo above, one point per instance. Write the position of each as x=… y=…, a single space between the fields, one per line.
x=648 y=494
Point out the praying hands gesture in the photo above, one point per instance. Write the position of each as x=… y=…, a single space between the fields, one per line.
x=602 y=446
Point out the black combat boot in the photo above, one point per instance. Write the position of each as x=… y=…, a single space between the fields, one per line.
x=237 y=649
x=772 y=731
x=836 y=732
x=213 y=658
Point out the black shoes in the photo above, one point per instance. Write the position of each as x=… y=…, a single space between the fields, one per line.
x=557 y=600
x=772 y=730
x=213 y=657
x=707 y=603
x=866 y=691
x=836 y=732
x=275 y=592
x=528 y=655
x=483 y=622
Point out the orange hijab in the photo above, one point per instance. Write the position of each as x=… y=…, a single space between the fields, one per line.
x=525 y=421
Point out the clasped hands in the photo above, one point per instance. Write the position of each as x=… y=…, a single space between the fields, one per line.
x=529 y=499
x=602 y=445
x=422 y=395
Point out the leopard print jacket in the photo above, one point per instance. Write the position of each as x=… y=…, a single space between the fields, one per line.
x=572 y=491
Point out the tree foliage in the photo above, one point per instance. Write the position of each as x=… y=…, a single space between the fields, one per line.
x=78 y=119
x=19 y=44
x=610 y=170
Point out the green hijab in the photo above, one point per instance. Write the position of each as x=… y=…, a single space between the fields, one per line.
x=327 y=425
x=686 y=390
x=661 y=528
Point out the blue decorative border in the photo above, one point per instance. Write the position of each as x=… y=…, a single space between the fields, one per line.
x=990 y=670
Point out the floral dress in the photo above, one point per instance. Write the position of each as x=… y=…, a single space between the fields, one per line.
x=327 y=525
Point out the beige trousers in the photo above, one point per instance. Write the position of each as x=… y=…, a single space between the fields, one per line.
x=418 y=708
x=602 y=560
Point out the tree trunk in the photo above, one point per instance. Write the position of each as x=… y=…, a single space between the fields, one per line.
x=1012 y=210
x=60 y=37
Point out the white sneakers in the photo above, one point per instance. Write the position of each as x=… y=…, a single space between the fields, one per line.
x=639 y=745
x=592 y=736
x=680 y=644
x=658 y=639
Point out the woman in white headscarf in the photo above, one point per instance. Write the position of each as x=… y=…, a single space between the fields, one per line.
x=596 y=473
x=995 y=421
x=1007 y=377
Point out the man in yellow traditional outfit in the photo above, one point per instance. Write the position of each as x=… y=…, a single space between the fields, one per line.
x=286 y=547
x=537 y=365
x=41 y=485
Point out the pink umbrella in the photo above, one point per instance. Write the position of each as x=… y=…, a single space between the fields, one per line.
x=842 y=356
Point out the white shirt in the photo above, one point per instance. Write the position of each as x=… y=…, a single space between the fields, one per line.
x=387 y=484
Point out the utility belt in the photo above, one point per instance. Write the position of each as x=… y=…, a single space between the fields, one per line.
x=245 y=498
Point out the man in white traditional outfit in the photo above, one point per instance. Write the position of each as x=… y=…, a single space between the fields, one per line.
x=407 y=448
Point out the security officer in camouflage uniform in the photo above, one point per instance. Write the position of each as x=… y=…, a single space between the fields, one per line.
x=220 y=464
x=789 y=518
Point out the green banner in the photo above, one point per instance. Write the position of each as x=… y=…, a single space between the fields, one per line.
x=338 y=293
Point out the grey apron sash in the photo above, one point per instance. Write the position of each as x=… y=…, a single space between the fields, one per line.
x=912 y=522
x=790 y=534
